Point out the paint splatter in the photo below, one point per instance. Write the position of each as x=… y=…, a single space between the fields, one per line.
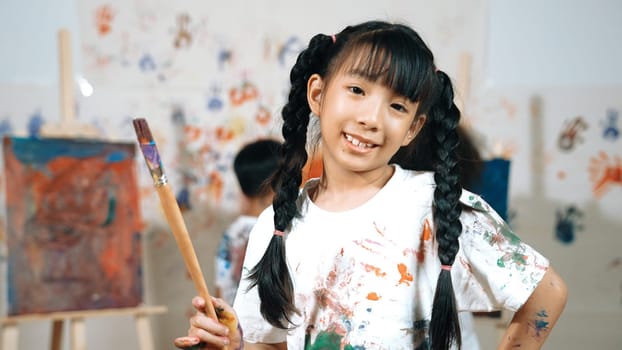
x=516 y=258
x=426 y=235
x=376 y=270
x=244 y=93
x=146 y=63
x=570 y=134
x=291 y=47
x=604 y=172
x=34 y=124
x=568 y=224
x=329 y=341
x=224 y=56
x=183 y=36
x=611 y=131
x=215 y=102
x=406 y=277
x=373 y=296
x=540 y=325
x=103 y=19
x=263 y=117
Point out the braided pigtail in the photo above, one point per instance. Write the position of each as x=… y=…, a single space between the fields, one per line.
x=271 y=275
x=445 y=325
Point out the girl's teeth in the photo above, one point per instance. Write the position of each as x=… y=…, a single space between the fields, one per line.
x=356 y=142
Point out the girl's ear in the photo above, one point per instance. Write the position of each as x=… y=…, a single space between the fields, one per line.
x=414 y=129
x=315 y=86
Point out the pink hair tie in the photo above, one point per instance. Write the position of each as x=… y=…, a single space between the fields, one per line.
x=279 y=233
x=446 y=267
x=334 y=38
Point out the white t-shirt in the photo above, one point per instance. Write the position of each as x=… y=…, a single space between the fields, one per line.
x=365 y=278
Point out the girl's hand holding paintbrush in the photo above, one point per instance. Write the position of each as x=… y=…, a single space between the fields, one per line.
x=213 y=316
x=207 y=333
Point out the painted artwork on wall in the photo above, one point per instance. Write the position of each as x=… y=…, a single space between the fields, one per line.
x=73 y=225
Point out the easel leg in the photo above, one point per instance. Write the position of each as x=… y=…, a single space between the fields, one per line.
x=78 y=334
x=57 y=334
x=145 y=342
x=9 y=336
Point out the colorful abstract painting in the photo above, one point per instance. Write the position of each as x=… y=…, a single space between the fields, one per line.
x=73 y=225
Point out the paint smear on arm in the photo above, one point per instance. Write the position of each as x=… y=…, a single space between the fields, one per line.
x=540 y=324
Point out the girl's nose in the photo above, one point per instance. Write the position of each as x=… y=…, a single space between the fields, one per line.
x=370 y=116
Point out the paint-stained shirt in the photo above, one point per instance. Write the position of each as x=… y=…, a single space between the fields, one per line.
x=365 y=278
x=230 y=256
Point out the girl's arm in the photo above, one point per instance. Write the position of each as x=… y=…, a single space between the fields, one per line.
x=533 y=322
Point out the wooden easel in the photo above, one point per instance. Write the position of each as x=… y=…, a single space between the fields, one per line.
x=10 y=326
x=68 y=127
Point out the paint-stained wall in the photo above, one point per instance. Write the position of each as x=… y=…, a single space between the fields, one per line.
x=209 y=77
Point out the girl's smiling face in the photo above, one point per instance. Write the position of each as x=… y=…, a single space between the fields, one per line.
x=362 y=123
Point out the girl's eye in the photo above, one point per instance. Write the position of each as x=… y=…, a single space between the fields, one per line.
x=356 y=90
x=399 y=107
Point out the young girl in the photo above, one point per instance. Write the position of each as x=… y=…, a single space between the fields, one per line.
x=372 y=255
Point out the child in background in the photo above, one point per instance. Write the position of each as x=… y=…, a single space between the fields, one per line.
x=376 y=254
x=253 y=165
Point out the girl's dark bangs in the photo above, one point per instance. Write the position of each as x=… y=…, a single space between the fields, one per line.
x=387 y=60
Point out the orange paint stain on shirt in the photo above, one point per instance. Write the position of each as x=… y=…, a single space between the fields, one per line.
x=373 y=296
x=377 y=271
x=406 y=277
x=378 y=229
x=426 y=235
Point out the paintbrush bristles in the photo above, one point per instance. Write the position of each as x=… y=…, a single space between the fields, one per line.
x=142 y=130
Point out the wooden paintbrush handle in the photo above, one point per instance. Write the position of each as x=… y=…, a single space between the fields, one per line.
x=178 y=226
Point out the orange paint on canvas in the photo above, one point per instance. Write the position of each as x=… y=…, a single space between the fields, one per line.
x=109 y=260
x=74 y=223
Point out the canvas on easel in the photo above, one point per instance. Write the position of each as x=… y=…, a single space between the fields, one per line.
x=73 y=225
